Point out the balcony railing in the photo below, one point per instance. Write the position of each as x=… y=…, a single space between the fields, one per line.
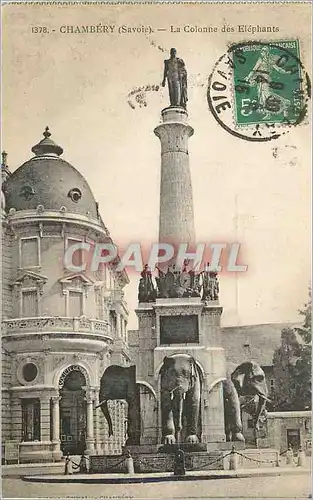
x=55 y=323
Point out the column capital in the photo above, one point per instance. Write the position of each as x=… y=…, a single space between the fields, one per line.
x=90 y=397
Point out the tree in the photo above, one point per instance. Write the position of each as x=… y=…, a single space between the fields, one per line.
x=292 y=366
x=303 y=375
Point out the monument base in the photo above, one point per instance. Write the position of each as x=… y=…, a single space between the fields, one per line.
x=157 y=462
x=150 y=458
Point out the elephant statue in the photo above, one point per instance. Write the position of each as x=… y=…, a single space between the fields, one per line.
x=119 y=382
x=248 y=379
x=180 y=399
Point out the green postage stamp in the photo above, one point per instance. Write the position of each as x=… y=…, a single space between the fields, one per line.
x=268 y=83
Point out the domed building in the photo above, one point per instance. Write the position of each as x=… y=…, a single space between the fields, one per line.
x=61 y=328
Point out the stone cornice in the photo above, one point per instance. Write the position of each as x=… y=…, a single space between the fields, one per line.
x=31 y=216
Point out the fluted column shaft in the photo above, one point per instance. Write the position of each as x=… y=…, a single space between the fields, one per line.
x=176 y=223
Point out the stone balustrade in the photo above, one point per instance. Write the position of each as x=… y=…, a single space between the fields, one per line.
x=52 y=323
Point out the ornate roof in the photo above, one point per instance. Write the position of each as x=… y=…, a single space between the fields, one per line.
x=48 y=180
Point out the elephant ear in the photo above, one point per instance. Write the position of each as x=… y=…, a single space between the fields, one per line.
x=238 y=376
x=167 y=361
x=256 y=370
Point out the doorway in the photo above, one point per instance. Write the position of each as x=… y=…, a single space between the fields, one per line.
x=73 y=413
x=293 y=439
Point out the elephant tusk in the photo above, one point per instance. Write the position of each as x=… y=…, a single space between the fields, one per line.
x=184 y=396
x=100 y=404
x=265 y=398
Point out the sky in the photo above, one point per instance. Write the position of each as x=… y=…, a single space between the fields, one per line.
x=78 y=83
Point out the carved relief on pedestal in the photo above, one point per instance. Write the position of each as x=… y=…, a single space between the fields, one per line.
x=179 y=310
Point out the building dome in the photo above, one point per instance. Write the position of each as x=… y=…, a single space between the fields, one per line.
x=48 y=180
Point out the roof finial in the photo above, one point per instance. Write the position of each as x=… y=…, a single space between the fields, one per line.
x=47 y=146
x=47 y=133
x=4 y=156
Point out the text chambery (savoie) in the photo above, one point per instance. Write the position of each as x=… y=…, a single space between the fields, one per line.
x=106 y=29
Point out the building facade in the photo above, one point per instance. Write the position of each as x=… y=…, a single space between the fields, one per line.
x=61 y=328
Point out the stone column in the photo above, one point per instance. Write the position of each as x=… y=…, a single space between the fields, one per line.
x=90 y=442
x=16 y=419
x=44 y=418
x=176 y=205
x=96 y=421
x=213 y=429
x=56 y=427
x=118 y=325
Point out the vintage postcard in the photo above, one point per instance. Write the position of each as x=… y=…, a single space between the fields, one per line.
x=156 y=213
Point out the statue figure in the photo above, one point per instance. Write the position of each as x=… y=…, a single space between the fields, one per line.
x=176 y=74
x=210 y=285
x=161 y=284
x=176 y=283
x=146 y=290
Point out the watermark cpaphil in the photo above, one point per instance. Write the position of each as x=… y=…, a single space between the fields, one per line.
x=222 y=257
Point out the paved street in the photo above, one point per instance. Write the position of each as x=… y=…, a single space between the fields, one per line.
x=293 y=486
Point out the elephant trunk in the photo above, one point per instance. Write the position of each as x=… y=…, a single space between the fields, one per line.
x=259 y=410
x=177 y=408
x=106 y=413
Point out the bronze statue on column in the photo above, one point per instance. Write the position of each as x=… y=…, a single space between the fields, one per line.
x=176 y=74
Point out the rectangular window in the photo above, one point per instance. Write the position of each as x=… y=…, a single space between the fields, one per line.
x=250 y=423
x=113 y=322
x=29 y=303
x=29 y=252
x=31 y=420
x=75 y=300
x=293 y=438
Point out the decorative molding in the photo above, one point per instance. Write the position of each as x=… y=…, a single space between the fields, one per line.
x=40 y=209
x=179 y=310
x=76 y=282
x=58 y=360
x=29 y=279
x=71 y=368
x=21 y=362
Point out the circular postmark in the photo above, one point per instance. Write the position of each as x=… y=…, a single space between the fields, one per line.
x=258 y=91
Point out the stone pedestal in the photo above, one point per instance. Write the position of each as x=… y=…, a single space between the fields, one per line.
x=206 y=351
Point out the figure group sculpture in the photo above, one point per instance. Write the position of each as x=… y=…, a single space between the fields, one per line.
x=177 y=283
